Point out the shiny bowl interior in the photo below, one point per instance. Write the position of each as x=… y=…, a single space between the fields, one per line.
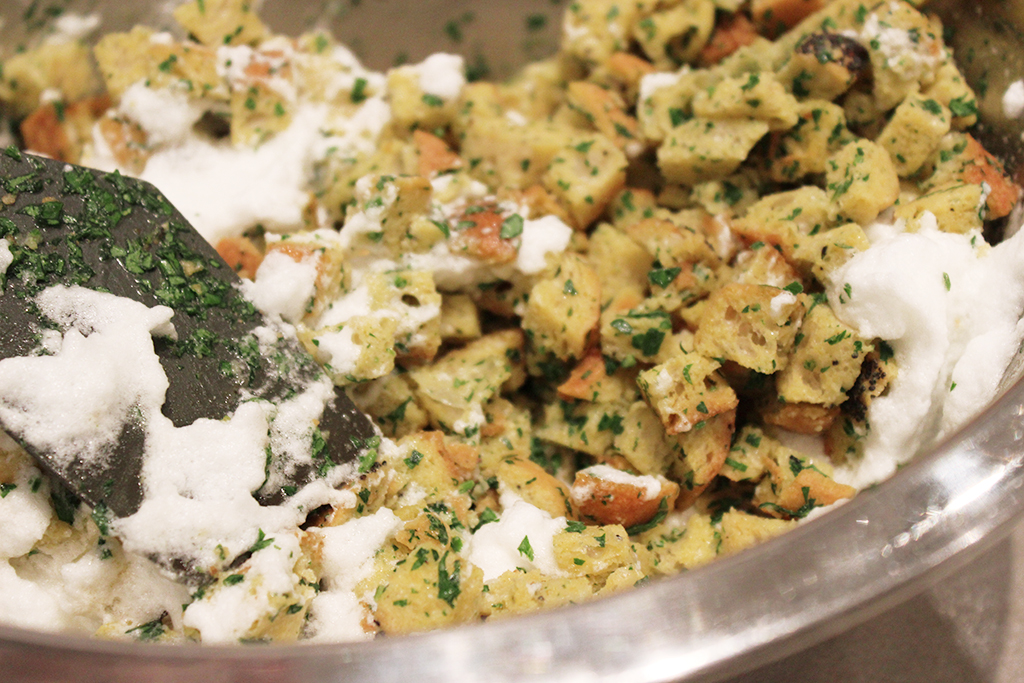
x=816 y=581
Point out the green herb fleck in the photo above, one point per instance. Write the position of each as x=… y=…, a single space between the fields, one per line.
x=525 y=549
x=654 y=521
x=663 y=277
x=511 y=227
x=261 y=542
x=962 y=106
x=151 y=630
x=233 y=579
x=359 y=90
x=448 y=583
x=414 y=459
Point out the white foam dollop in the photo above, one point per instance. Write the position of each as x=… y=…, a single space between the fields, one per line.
x=496 y=547
x=949 y=305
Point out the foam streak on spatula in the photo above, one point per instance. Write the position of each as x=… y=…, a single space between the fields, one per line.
x=75 y=227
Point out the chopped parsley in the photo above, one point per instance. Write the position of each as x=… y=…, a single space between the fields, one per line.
x=511 y=227
x=525 y=549
x=448 y=588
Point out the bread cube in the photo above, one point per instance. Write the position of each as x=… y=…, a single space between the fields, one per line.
x=507 y=433
x=620 y=263
x=730 y=196
x=63 y=132
x=454 y=387
x=862 y=112
x=564 y=310
x=412 y=107
x=796 y=484
x=801 y=418
x=128 y=58
x=62 y=66
x=425 y=461
x=320 y=76
x=774 y=17
x=732 y=32
x=590 y=381
x=914 y=131
x=704 y=450
x=764 y=265
x=413 y=599
x=602 y=549
x=705 y=149
x=462 y=460
x=328 y=254
x=605 y=495
x=813 y=75
x=845 y=439
x=960 y=159
x=685 y=391
x=673 y=243
x=822 y=253
x=663 y=103
x=360 y=349
x=742 y=530
x=537 y=90
x=861 y=181
x=434 y=156
x=222 y=22
x=585 y=175
x=593 y=30
x=673 y=288
x=520 y=592
x=532 y=483
x=243 y=256
x=669 y=548
x=901 y=64
x=755 y=96
x=753 y=325
x=338 y=174
x=580 y=425
x=692 y=314
x=460 y=320
x=392 y=209
x=605 y=111
x=643 y=442
x=676 y=35
x=951 y=90
x=277 y=614
x=127 y=143
x=637 y=334
x=390 y=402
x=411 y=298
x=805 y=149
x=257 y=113
x=957 y=209
x=745 y=461
x=504 y=153
x=623 y=71
x=824 y=363
x=631 y=205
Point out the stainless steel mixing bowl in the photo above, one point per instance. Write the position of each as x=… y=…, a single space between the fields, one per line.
x=824 y=577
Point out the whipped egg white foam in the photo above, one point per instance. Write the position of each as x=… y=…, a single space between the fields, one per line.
x=950 y=307
x=199 y=479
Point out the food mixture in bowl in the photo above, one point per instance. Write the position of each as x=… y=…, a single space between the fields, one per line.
x=709 y=270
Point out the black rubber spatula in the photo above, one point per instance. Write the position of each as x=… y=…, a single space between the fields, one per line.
x=76 y=226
